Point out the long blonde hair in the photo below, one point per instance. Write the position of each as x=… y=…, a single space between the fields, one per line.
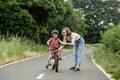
x=67 y=30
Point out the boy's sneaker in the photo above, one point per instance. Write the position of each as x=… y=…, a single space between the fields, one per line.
x=47 y=66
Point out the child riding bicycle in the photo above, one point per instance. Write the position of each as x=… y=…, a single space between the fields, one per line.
x=53 y=43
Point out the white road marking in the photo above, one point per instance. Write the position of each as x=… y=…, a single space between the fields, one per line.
x=40 y=76
x=64 y=57
x=69 y=55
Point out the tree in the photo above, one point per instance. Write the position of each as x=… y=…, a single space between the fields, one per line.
x=13 y=19
x=29 y=18
x=35 y=19
x=73 y=19
x=99 y=15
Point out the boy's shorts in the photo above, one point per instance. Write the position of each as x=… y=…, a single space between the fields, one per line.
x=51 y=52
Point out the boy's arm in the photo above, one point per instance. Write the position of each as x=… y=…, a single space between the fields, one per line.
x=61 y=47
x=60 y=41
x=48 y=42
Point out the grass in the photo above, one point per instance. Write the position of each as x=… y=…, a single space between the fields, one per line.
x=16 y=48
x=93 y=46
x=108 y=60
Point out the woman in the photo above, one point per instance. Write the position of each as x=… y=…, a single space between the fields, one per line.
x=77 y=42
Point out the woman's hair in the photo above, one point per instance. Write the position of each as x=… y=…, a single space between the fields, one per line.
x=67 y=30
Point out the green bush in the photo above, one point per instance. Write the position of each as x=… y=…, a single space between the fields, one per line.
x=111 y=39
x=106 y=56
x=108 y=60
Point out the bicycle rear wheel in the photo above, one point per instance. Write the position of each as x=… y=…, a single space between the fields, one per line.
x=53 y=67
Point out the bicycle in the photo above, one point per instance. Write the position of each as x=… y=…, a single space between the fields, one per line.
x=55 y=57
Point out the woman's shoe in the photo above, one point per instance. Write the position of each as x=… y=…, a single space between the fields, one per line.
x=72 y=68
x=77 y=69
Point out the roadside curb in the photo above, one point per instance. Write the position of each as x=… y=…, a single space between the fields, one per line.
x=98 y=66
x=29 y=58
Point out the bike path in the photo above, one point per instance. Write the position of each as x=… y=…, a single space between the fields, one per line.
x=34 y=69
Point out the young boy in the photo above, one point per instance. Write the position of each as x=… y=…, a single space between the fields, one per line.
x=53 y=43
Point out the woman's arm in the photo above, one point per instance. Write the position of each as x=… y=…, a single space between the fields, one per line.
x=63 y=45
x=72 y=41
x=69 y=44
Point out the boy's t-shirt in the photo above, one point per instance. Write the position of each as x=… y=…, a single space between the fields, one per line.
x=54 y=43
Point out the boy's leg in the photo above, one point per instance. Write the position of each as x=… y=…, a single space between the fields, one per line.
x=59 y=53
x=49 y=58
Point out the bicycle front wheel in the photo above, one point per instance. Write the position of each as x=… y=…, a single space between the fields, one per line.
x=56 y=63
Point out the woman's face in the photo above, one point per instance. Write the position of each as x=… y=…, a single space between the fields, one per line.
x=64 y=32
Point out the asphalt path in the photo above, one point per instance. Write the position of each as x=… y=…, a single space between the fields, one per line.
x=34 y=69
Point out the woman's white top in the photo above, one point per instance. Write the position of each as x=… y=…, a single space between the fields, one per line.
x=73 y=37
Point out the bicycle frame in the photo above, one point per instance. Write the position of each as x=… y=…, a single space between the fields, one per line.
x=56 y=61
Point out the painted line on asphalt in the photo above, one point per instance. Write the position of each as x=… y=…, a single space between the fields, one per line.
x=69 y=55
x=64 y=57
x=106 y=74
x=40 y=76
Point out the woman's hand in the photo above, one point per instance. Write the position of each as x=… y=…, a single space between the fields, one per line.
x=64 y=43
x=68 y=43
x=59 y=49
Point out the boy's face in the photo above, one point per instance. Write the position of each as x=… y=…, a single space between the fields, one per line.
x=55 y=35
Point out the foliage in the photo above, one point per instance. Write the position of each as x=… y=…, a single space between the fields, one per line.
x=111 y=39
x=28 y=18
x=108 y=55
x=99 y=15
x=108 y=60
x=35 y=19
x=13 y=19
x=73 y=19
